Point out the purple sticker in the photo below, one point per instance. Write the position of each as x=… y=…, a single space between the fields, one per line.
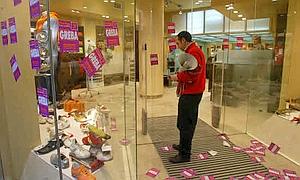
x=112 y=34
x=43 y=101
x=68 y=36
x=35 y=54
x=15 y=68
x=35 y=9
x=12 y=30
x=17 y=2
x=153 y=172
x=4 y=33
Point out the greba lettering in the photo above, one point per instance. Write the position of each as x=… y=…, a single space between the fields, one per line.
x=68 y=35
x=111 y=32
x=94 y=60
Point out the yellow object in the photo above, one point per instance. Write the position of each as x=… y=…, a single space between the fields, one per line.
x=98 y=132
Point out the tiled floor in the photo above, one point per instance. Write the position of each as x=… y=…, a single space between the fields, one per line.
x=123 y=109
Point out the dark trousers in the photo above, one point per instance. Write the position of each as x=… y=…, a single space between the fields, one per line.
x=187 y=121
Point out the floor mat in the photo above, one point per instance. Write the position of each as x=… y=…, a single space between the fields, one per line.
x=225 y=164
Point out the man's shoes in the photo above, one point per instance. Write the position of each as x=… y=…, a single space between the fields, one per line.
x=176 y=147
x=179 y=159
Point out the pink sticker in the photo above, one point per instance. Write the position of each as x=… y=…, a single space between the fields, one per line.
x=154 y=59
x=254 y=141
x=167 y=149
x=4 y=33
x=225 y=43
x=233 y=178
x=274 y=172
x=257 y=159
x=289 y=173
x=274 y=148
x=153 y=172
x=112 y=34
x=15 y=68
x=237 y=149
x=259 y=175
x=68 y=36
x=250 y=177
x=93 y=62
x=172 y=44
x=35 y=54
x=188 y=173
x=202 y=156
x=260 y=152
x=249 y=151
x=240 y=42
x=17 y=2
x=35 y=9
x=113 y=124
x=12 y=30
x=171 y=28
x=207 y=178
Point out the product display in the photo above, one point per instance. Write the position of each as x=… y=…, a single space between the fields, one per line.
x=78 y=151
x=51 y=146
x=71 y=105
x=81 y=173
x=98 y=132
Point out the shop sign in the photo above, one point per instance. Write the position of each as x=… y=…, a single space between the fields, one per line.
x=4 y=33
x=188 y=173
x=154 y=59
x=15 y=68
x=240 y=42
x=43 y=101
x=171 y=28
x=93 y=62
x=153 y=172
x=111 y=33
x=225 y=43
x=68 y=36
x=35 y=9
x=17 y=2
x=35 y=54
x=172 y=44
x=12 y=30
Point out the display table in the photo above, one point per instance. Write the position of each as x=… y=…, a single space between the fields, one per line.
x=39 y=166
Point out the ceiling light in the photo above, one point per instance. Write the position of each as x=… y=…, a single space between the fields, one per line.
x=106 y=17
x=274 y=0
x=73 y=11
x=106 y=1
x=77 y=12
x=240 y=15
x=244 y=19
x=84 y=7
x=125 y=16
x=132 y=3
x=227 y=5
x=180 y=12
x=230 y=8
x=112 y=1
x=235 y=12
x=197 y=3
x=103 y=16
x=41 y=5
x=200 y=1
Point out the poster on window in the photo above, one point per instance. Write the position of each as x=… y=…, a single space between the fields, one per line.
x=35 y=54
x=35 y=9
x=15 y=68
x=43 y=101
x=172 y=44
x=240 y=42
x=225 y=44
x=68 y=36
x=12 y=30
x=93 y=62
x=154 y=59
x=171 y=28
x=17 y=2
x=111 y=33
x=4 y=33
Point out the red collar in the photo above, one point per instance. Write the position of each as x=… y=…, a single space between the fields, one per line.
x=190 y=46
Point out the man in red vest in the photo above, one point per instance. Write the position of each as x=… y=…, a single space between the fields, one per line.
x=191 y=85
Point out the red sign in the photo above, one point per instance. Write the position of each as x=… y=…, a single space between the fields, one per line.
x=171 y=28
x=111 y=32
x=68 y=36
x=225 y=43
x=172 y=44
x=93 y=62
x=153 y=172
x=240 y=42
x=274 y=148
x=154 y=59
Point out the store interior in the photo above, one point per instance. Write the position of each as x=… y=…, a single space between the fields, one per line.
x=130 y=105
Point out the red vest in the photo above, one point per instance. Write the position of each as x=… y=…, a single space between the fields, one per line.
x=193 y=82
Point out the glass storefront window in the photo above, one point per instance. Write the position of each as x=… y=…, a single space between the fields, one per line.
x=214 y=21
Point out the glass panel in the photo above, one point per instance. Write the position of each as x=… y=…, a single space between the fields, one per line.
x=258 y=24
x=235 y=25
x=195 y=22
x=214 y=21
x=180 y=22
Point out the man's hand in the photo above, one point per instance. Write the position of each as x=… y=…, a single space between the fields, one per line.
x=173 y=77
